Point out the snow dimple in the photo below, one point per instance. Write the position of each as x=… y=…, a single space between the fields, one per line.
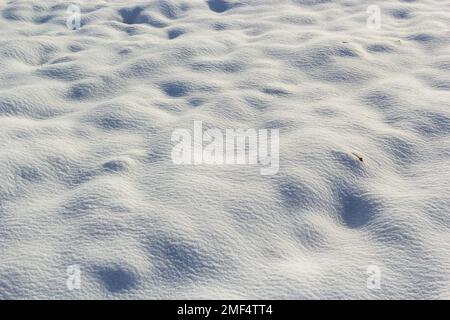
x=131 y=15
x=30 y=174
x=357 y=209
x=401 y=13
x=422 y=37
x=176 y=89
x=64 y=72
x=219 y=6
x=380 y=48
x=115 y=166
x=139 y=15
x=117 y=279
x=174 y=33
x=179 y=261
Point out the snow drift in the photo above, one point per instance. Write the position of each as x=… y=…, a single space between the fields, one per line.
x=86 y=178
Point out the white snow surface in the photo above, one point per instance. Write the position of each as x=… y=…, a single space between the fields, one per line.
x=86 y=178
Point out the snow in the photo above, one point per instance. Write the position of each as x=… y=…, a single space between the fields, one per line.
x=86 y=177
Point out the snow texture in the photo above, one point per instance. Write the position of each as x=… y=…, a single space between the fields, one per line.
x=86 y=178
